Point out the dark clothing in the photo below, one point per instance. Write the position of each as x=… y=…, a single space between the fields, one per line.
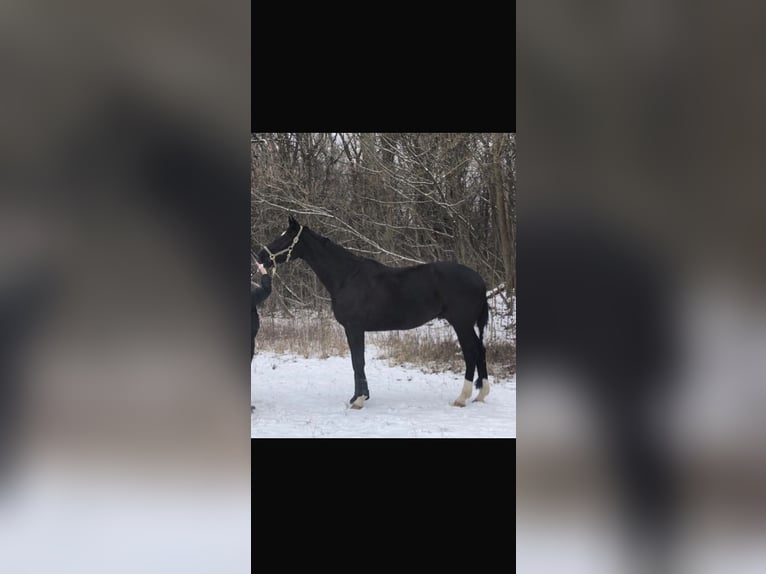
x=257 y=296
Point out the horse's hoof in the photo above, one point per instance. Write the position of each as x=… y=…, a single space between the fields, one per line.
x=357 y=403
x=477 y=400
x=483 y=392
x=458 y=404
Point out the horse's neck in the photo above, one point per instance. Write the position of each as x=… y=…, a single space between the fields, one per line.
x=331 y=262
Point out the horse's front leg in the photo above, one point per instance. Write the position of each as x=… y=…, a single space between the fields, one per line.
x=356 y=345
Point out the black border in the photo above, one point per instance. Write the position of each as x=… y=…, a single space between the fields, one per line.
x=319 y=68
x=447 y=499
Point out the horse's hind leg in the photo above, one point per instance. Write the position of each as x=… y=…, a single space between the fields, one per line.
x=469 y=343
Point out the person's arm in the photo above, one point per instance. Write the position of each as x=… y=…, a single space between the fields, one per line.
x=256 y=296
x=259 y=294
x=266 y=285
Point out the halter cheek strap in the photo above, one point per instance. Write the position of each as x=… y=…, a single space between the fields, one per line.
x=288 y=250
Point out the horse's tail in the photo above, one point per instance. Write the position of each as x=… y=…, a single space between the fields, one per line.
x=482 y=320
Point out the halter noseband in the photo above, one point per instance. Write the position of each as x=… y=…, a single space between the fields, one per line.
x=288 y=250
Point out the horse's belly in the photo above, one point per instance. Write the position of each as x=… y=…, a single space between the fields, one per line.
x=396 y=321
x=383 y=314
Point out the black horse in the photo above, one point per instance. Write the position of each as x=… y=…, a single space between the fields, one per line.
x=369 y=296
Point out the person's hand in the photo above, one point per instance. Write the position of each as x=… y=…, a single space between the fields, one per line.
x=262 y=269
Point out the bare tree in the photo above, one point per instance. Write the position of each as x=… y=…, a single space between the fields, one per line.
x=400 y=198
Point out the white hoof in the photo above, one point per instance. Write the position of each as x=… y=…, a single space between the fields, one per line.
x=358 y=403
x=465 y=395
x=483 y=392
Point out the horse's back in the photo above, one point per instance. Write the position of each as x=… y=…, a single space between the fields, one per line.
x=458 y=275
x=442 y=277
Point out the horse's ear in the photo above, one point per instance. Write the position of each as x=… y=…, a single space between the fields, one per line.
x=291 y=221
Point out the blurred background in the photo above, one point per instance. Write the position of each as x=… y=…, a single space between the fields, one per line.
x=122 y=156
x=124 y=173
x=641 y=288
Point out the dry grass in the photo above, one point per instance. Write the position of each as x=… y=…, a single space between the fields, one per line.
x=437 y=354
x=433 y=347
x=312 y=336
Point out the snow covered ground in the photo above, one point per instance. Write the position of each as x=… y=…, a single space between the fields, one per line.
x=304 y=397
x=298 y=397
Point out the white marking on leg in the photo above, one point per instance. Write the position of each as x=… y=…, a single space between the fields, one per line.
x=358 y=403
x=465 y=395
x=483 y=392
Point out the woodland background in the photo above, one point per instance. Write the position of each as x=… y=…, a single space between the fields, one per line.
x=398 y=198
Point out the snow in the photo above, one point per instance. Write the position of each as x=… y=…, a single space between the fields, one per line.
x=297 y=397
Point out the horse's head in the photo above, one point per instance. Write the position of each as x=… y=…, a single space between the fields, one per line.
x=285 y=247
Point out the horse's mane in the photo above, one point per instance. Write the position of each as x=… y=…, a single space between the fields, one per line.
x=339 y=249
